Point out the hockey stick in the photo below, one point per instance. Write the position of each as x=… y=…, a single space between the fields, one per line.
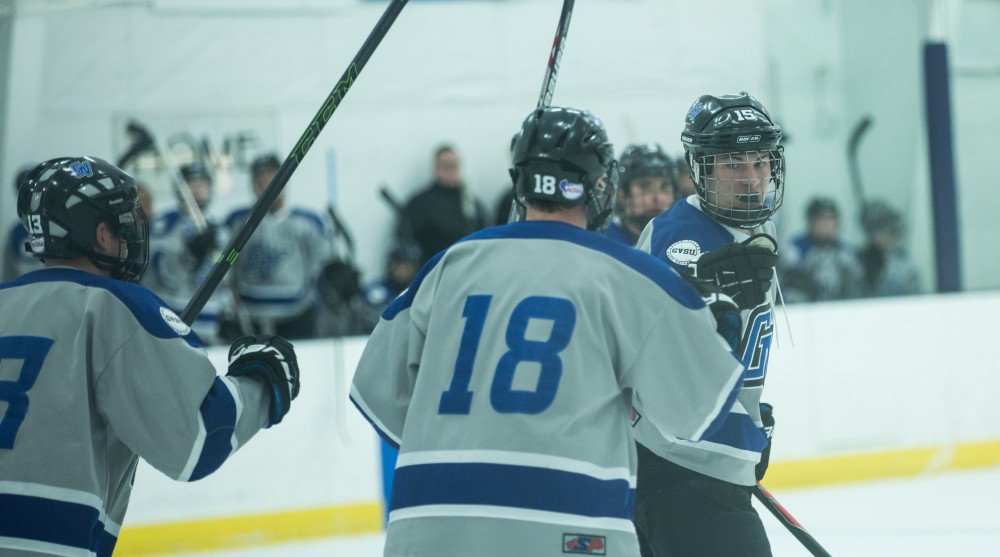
x=555 y=55
x=144 y=140
x=551 y=73
x=862 y=127
x=266 y=199
x=783 y=516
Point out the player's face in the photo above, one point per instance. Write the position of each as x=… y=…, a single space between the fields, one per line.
x=739 y=180
x=649 y=196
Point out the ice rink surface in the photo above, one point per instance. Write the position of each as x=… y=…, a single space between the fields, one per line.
x=954 y=514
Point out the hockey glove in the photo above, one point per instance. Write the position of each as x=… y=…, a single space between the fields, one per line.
x=743 y=271
x=728 y=319
x=271 y=358
x=767 y=418
x=202 y=244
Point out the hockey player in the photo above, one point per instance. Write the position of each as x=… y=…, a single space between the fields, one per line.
x=506 y=371
x=275 y=275
x=694 y=497
x=105 y=373
x=182 y=256
x=647 y=189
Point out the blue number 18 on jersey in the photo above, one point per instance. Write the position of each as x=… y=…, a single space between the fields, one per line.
x=503 y=397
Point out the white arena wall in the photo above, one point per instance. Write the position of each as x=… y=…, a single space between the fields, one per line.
x=868 y=389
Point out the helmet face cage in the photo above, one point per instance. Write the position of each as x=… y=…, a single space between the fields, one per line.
x=738 y=168
x=63 y=201
x=741 y=189
x=638 y=162
x=562 y=156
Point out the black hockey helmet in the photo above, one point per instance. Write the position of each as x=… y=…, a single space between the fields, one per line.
x=640 y=160
x=643 y=160
x=62 y=201
x=263 y=163
x=822 y=206
x=735 y=130
x=560 y=156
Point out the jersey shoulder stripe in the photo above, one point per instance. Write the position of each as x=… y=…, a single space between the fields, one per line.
x=144 y=305
x=651 y=268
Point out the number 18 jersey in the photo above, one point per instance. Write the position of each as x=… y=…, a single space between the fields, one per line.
x=507 y=374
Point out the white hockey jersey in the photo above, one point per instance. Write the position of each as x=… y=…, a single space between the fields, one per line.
x=506 y=375
x=95 y=372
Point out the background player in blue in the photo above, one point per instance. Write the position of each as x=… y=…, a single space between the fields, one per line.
x=274 y=278
x=694 y=497
x=181 y=256
x=507 y=371
x=648 y=187
x=96 y=371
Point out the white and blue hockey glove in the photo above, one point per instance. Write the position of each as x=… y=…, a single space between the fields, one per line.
x=271 y=358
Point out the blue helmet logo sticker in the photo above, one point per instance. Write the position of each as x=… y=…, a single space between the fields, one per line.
x=695 y=109
x=570 y=190
x=81 y=169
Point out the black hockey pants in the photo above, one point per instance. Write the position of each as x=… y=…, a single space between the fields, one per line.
x=681 y=513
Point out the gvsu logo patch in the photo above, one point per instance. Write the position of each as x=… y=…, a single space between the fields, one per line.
x=683 y=252
x=81 y=169
x=570 y=190
x=584 y=545
x=175 y=323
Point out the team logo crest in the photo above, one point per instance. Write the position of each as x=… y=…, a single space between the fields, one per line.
x=584 y=545
x=81 y=169
x=695 y=109
x=175 y=322
x=570 y=190
x=683 y=252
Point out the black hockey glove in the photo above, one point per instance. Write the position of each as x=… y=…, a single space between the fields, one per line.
x=271 y=358
x=728 y=320
x=767 y=418
x=202 y=244
x=743 y=271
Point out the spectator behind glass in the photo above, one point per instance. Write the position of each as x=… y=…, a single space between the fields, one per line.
x=886 y=267
x=818 y=265
x=16 y=259
x=401 y=265
x=443 y=212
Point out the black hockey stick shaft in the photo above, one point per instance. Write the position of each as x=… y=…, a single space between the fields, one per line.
x=273 y=190
x=551 y=73
x=862 y=127
x=555 y=55
x=783 y=516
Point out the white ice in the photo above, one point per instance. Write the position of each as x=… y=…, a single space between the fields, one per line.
x=952 y=514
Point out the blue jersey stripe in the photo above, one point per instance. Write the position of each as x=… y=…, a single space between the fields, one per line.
x=738 y=431
x=143 y=304
x=650 y=267
x=504 y=485
x=218 y=412
x=47 y=520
